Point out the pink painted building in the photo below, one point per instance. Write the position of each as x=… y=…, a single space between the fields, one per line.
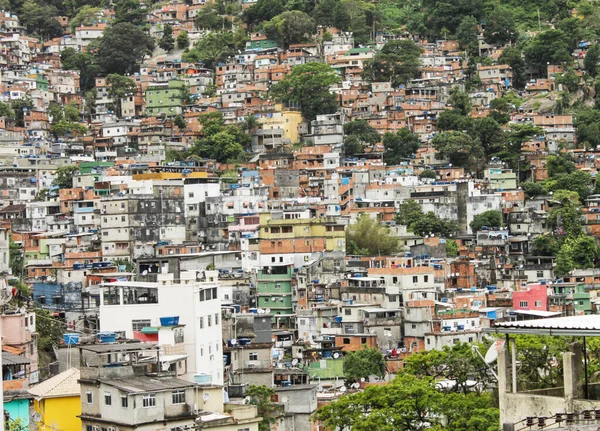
x=533 y=297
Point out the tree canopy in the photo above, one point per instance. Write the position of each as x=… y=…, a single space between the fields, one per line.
x=368 y=237
x=363 y=363
x=308 y=85
x=122 y=48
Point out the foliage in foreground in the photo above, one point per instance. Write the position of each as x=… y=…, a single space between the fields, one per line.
x=410 y=403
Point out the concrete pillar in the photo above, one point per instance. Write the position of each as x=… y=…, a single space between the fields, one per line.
x=573 y=372
x=503 y=379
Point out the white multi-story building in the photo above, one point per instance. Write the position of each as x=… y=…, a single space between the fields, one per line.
x=130 y=306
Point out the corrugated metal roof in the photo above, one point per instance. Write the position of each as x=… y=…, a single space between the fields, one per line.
x=62 y=385
x=588 y=325
x=11 y=359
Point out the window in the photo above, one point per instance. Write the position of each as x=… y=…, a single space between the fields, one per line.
x=107 y=398
x=539 y=274
x=415 y=279
x=89 y=397
x=216 y=318
x=253 y=356
x=179 y=397
x=124 y=402
x=149 y=400
x=425 y=278
x=348 y=312
x=209 y=320
x=523 y=304
x=201 y=322
x=538 y=303
x=346 y=340
x=140 y=324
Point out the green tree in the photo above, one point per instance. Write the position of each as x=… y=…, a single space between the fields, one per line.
x=85 y=63
x=399 y=145
x=353 y=146
x=16 y=258
x=489 y=134
x=460 y=149
x=591 y=59
x=457 y=362
x=290 y=27
x=576 y=253
x=19 y=107
x=565 y=215
x=569 y=79
x=546 y=245
x=6 y=110
x=64 y=177
x=467 y=33
x=431 y=224
x=68 y=128
x=453 y=119
x=561 y=163
x=211 y=49
x=167 y=42
x=460 y=101
x=514 y=58
x=578 y=181
x=180 y=122
x=49 y=333
x=120 y=87
x=491 y=219
x=308 y=85
x=532 y=189
x=451 y=248
x=410 y=403
x=131 y=12
x=398 y=62
x=262 y=398
x=122 y=49
x=38 y=18
x=358 y=135
x=409 y=212
x=363 y=363
x=500 y=27
x=367 y=237
x=428 y=173
x=85 y=16
x=209 y=18
x=548 y=47
x=183 y=40
x=72 y=112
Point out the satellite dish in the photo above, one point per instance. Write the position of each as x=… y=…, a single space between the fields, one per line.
x=336 y=355
x=145 y=272
x=267 y=310
x=233 y=342
x=355 y=385
x=284 y=399
x=205 y=396
x=362 y=379
x=343 y=389
x=492 y=353
x=165 y=366
x=37 y=417
x=294 y=362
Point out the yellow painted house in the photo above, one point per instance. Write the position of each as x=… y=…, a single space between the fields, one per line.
x=57 y=402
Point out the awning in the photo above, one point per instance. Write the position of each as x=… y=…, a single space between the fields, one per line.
x=575 y=326
x=10 y=359
x=149 y=330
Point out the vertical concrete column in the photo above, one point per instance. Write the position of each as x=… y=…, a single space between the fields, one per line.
x=503 y=379
x=573 y=373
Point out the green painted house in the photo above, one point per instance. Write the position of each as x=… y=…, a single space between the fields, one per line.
x=166 y=98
